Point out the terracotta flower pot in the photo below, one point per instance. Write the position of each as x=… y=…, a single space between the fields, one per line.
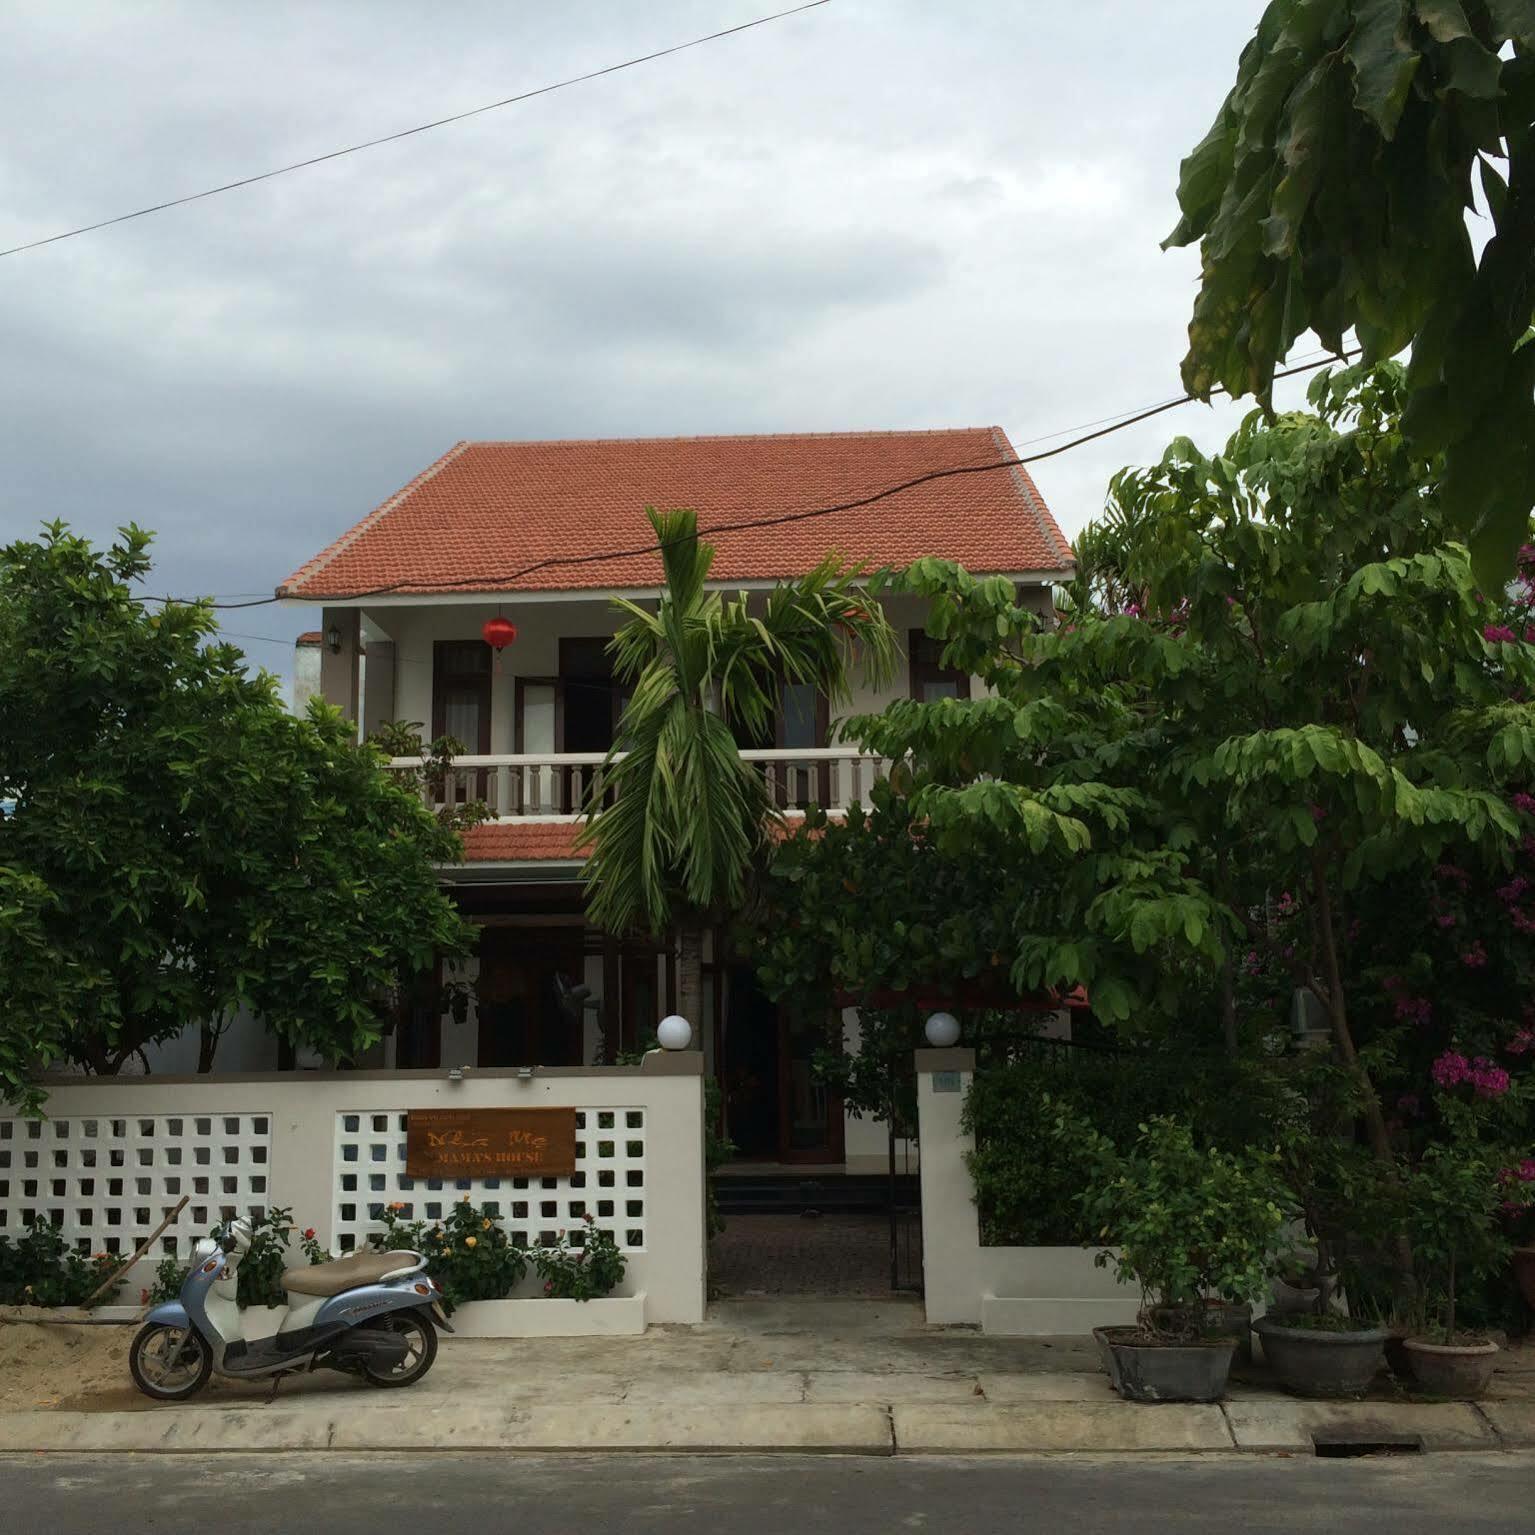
x=1461 y=1370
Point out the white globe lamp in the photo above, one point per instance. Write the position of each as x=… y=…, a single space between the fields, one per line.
x=674 y=1032
x=942 y=1031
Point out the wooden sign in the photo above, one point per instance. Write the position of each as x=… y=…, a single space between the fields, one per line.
x=490 y=1143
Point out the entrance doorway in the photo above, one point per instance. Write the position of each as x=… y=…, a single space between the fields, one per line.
x=775 y=1108
x=522 y=1019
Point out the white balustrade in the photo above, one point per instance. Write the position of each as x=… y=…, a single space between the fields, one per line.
x=547 y=786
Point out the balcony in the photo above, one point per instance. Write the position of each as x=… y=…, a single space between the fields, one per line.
x=561 y=786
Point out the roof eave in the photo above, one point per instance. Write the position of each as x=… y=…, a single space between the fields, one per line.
x=1043 y=577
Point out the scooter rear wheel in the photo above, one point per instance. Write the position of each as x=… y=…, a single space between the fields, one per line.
x=421 y=1345
x=169 y=1363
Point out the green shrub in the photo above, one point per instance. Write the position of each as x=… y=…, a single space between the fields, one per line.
x=1186 y=1222
x=170 y=1274
x=583 y=1271
x=1028 y=1181
x=468 y=1254
x=40 y=1269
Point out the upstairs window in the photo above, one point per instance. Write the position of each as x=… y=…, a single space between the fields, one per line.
x=930 y=679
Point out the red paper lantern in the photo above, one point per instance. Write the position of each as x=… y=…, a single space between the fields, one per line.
x=499 y=633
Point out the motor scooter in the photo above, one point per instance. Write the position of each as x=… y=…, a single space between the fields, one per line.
x=371 y=1314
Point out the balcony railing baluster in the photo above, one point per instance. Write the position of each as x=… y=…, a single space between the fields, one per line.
x=565 y=785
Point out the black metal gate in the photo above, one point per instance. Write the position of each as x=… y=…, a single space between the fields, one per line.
x=905 y=1185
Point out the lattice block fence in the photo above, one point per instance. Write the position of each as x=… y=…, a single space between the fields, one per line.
x=609 y=1183
x=108 y=1181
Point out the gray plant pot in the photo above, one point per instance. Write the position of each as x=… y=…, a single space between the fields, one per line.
x=1461 y=1370
x=1226 y=1319
x=1311 y=1362
x=1164 y=1372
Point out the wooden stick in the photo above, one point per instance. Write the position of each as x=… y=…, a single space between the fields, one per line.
x=144 y=1247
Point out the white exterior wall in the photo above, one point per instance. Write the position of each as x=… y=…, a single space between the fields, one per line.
x=1024 y=1291
x=234 y=1144
x=536 y=652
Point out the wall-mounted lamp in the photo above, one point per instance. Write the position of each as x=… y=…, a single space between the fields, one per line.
x=333 y=638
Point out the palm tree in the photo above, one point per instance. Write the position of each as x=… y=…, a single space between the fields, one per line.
x=683 y=821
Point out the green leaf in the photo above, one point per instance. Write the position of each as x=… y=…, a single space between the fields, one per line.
x=1383 y=60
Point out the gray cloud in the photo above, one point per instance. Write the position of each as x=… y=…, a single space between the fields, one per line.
x=881 y=214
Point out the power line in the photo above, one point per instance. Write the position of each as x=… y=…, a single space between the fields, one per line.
x=495 y=580
x=405 y=133
x=1320 y=355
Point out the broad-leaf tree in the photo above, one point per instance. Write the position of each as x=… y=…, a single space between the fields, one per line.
x=684 y=821
x=1293 y=710
x=1332 y=193
x=174 y=845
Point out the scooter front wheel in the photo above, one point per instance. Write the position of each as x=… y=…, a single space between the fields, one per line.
x=169 y=1363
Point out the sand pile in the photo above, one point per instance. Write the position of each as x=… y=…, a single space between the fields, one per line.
x=49 y=1364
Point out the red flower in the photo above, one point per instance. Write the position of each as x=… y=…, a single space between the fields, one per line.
x=309 y=1233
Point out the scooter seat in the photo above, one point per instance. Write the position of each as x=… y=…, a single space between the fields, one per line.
x=347 y=1273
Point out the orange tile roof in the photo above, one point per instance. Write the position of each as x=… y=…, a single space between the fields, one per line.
x=310 y=637
x=554 y=841
x=520 y=841
x=484 y=510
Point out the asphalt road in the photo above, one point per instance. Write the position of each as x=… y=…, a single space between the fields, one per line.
x=332 y=1494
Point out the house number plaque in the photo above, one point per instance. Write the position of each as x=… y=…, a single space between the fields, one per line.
x=490 y=1143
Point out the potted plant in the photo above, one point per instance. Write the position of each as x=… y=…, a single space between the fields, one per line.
x=1454 y=1200
x=1350 y=1212
x=1189 y=1225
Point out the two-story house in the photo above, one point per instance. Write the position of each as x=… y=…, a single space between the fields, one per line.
x=542 y=535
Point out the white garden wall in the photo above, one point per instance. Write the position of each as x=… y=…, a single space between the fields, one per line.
x=113 y=1156
x=1024 y=1291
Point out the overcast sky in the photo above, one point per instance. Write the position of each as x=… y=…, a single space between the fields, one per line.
x=877 y=214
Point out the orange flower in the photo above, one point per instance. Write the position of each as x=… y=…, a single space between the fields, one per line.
x=471 y=1241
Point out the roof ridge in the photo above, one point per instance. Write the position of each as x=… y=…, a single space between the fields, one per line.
x=309 y=570
x=593 y=442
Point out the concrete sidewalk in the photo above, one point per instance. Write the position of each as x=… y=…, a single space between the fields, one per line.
x=858 y=1377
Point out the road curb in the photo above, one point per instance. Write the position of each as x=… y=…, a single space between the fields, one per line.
x=1249 y=1426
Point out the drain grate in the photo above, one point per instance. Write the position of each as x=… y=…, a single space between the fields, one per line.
x=1334 y=1447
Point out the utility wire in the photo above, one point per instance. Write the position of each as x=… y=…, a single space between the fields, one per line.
x=405 y=133
x=495 y=580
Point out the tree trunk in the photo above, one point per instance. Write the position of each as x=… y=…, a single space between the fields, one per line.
x=1228 y=964
x=690 y=976
x=1228 y=999
x=1449 y=1319
x=1337 y=1014
x=1343 y=1045
x=207 y=1043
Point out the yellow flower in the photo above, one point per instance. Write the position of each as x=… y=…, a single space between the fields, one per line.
x=484 y=1225
x=471 y=1241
